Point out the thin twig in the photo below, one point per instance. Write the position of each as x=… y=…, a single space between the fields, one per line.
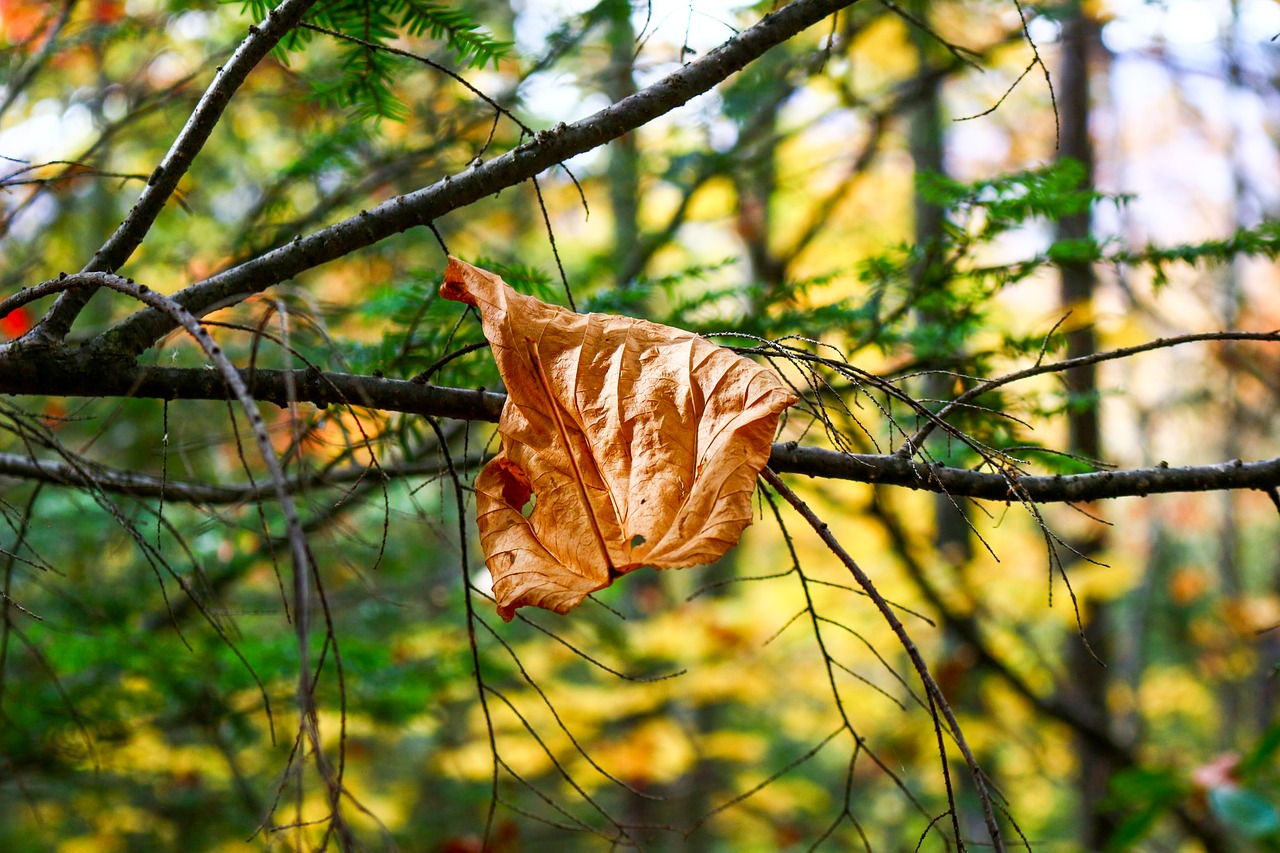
x=908 y=645
x=82 y=373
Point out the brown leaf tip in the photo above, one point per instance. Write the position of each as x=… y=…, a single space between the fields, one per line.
x=455 y=281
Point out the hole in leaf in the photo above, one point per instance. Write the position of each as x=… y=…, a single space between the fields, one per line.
x=637 y=541
x=527 y=509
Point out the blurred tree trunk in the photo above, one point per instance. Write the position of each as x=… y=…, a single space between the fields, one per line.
x=1086 y=656
x=755 y=179
x=951 y=533
x=624 y=156
x=1236 y=693
x=928 y=153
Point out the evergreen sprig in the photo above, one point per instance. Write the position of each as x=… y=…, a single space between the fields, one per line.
x=367 y=73
x=1262 y=240
x=470 y=43
x=981 y=211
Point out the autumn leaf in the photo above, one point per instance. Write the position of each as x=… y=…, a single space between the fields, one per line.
x=624 y=444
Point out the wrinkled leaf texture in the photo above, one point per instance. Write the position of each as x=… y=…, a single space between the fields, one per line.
x=636 y=445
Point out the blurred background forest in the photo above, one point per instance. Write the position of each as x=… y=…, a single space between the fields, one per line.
x=935 y=191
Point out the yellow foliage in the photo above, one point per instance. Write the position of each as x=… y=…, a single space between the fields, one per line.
x=92 y=844
x=149 y=751
x=716 y=200
x=589 y=705
x=728 y=682
x=1175 y=692
x=654 y=752
x=794 y=794
x=113 y=827
x=1253 y=614
x=1119 y=574
x=474 y=761
x=730 y=745
x=884 y=50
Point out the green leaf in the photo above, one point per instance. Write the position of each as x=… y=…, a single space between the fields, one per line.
x=1145 y=794
x=469 y=42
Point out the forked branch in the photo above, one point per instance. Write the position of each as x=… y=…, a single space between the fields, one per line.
x=454 y=192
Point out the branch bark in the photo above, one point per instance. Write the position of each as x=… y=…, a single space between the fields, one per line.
x=136 y=333
x=83 y=373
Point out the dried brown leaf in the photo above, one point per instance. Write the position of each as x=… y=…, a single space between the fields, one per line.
x=636 y=445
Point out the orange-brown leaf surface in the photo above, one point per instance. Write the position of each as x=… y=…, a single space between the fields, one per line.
x=636 y=444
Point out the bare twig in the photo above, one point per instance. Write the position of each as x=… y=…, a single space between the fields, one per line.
x=302 y=562
x=922 y=670
x=916 y=441
x=175 y=491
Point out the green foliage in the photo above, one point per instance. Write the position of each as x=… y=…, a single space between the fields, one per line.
x=1144 y=795
x=471 y=45
x=981 y=211
x=419 y=328
x=364 y=80
x=1245 y=800
x=1246 y=812
x=1262 y=241
x=994 y=206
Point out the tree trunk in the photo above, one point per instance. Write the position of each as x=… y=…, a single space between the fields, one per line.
x=1087 y=655
x=624 y=157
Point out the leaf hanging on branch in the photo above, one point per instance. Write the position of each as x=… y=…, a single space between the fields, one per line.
x=624 y=444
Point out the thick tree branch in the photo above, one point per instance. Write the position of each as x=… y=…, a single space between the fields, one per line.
x=137 y=333
x=892 y=470
x=83 y=373
x=130 y=233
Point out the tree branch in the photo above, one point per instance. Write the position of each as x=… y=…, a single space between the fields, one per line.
x=162 y=183
x=938 y=702
x=100 y=478
x=84 y=373
x=1039 y=368
x=136 y=333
